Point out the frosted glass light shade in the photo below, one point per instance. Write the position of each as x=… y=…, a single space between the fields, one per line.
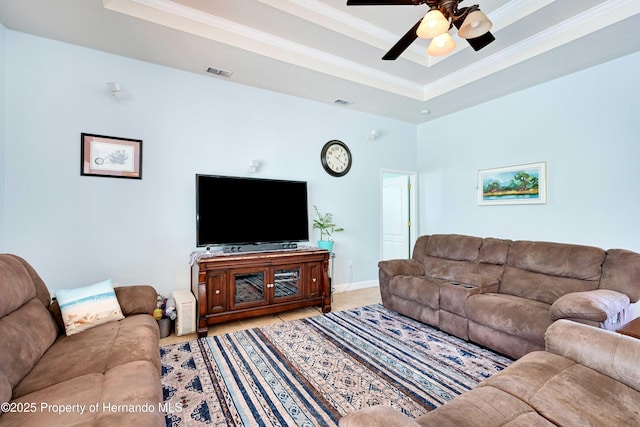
x=433 y=24
x=441 y=45
x=475 y=25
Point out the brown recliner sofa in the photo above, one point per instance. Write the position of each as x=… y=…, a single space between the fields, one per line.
x=586 y=377
x=504 y=294
x=108 y=375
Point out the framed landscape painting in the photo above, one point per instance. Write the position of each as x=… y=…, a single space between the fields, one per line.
x=513 y=185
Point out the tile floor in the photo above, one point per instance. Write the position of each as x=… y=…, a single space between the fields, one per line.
x=341 y=301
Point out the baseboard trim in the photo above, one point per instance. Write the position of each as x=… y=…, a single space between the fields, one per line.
x=353 y=286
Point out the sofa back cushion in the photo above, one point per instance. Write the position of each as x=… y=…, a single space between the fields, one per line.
x=447 y=255
x=42 y=293
x=16 y=287
x=621 y=272
x=493 y=256
x=544 y=271
x=26 y=327
x=612 y=354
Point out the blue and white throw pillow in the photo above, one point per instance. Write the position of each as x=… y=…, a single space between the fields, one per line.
x=88 y=306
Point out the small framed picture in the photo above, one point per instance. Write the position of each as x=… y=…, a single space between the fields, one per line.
x=110 y=156
x=513 y=185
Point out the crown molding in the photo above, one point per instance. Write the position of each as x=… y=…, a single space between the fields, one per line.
x=183 y=18
x=180 y=17
x=594 y=19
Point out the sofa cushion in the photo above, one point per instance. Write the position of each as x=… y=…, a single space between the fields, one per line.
x=88 y=306
x=126 y=395
x=481 y=407
x=421 y=289
x=94 y=351
x=446 y=269
x=546 y=271
x=567 y=393
x=134 y=384
x=541 y=287
x=494 y=251
x=493 y=256
x=524 y=377
x=447 y=255
x=26 y=334
x=580 y=396
x=621 y=272
x=16 y=286
x=42 y=293
x=81 y=390
x=525 y=318
x=557 y=259
x=453 y=247
x=612 y=354
x=378 y=415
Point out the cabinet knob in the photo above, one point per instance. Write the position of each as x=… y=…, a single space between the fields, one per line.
x=314 y=280
x=217 y=291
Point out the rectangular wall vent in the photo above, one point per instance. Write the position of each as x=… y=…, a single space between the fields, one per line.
x=219 y=72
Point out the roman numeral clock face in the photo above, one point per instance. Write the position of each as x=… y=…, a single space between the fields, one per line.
x=336 y=158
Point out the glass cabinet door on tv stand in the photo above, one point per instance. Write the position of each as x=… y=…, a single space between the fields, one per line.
x=248 y=288
x=287 y=283
x=229 y=287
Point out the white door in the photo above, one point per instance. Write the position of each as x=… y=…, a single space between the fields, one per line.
x=397 y=197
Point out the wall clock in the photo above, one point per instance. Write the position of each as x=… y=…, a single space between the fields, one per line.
x=336 y=158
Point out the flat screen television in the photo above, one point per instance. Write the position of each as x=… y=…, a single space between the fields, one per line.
x=236 y=210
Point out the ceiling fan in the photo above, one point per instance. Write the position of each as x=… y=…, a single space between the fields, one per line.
x=471 y=22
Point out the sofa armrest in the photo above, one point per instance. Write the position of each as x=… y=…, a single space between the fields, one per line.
x=136 y=299
x=374 y=416
x=599 y=305
x=612 y=354
x=402 y=267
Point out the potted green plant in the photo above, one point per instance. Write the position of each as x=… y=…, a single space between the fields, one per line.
x=324 y=223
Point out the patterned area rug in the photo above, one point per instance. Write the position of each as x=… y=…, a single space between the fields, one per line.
x=310 y=372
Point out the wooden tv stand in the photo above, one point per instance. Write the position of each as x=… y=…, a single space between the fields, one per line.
x=238 y=286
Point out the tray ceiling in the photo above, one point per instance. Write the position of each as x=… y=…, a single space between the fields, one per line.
x=325 y=51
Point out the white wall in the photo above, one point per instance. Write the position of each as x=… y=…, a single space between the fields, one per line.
x=586 y=127
x=2 y=135
x=76 y=230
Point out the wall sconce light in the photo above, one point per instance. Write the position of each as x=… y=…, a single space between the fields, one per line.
x=114 y=90
x=253 y=166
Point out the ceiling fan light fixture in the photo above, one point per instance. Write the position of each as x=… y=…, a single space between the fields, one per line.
x=441 y=45
x=433 y=24
x=475 y=25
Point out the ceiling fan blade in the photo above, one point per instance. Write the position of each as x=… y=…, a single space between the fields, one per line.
x=478 y=43
x=383 y=2
x=403 y=43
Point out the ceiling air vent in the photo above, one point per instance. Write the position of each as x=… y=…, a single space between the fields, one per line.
x=219 y=72
x=342 y=102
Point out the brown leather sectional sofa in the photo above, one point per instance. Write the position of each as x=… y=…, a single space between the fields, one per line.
x=108 y=375
x=504 y=294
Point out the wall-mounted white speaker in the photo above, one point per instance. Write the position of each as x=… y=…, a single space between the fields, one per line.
x=185 y=311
